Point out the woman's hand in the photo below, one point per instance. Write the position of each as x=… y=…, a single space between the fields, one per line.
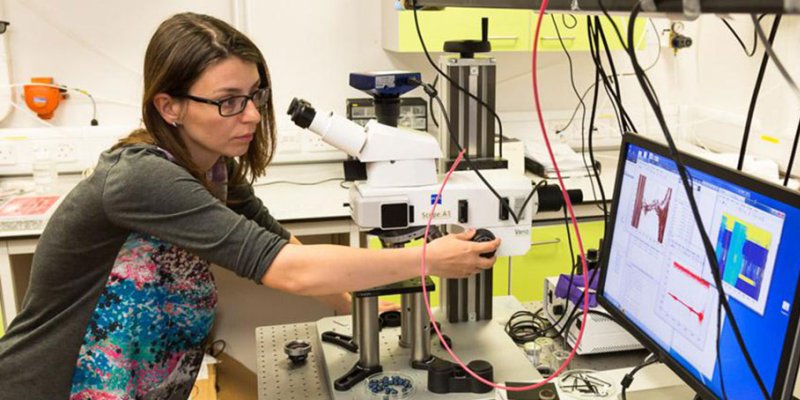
x=384 y=306
x=456 y=256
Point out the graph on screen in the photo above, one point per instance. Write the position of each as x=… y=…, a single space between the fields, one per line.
x=742 y=250
x=648 y=201
x=685 y=301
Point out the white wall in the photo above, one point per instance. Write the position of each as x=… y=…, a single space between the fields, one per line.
x=312 y=46
x=89 y=44
x=726 y=78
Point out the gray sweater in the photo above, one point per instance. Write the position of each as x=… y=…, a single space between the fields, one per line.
x=134 y=193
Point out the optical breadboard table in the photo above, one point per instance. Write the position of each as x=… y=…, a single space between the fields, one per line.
x=278 y=378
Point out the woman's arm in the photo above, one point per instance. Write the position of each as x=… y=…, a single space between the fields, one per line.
x=339 y=302
x=316 y=270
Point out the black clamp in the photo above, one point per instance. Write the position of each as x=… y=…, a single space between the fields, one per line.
x=446 y=377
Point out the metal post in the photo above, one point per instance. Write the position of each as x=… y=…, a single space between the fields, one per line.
x=369 y=351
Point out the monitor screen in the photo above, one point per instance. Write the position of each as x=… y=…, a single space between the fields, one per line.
x=656 y=278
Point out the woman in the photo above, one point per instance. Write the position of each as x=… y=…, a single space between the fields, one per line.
x=121 y=298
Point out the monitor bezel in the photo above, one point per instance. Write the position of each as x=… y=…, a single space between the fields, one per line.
x=787 y=369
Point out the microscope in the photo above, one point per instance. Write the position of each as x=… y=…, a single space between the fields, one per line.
x=394 y=204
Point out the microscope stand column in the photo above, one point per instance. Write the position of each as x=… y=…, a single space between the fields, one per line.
x=369 y=339
x=405 y=320
x=368 y=344
x=421 y=357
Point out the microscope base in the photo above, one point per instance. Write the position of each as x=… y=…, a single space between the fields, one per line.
x=481 y=340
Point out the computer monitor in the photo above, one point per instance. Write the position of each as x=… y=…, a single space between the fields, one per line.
x=656 y=279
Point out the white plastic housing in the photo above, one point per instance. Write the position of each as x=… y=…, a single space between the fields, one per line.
x=385 y=143
x=367 y=202
x=339 y=132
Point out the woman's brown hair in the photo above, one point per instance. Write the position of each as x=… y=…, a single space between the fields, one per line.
x=180 y=50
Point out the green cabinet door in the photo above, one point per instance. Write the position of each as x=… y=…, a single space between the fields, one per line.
x=574 y=33
x=509 y=30
x=549 y=255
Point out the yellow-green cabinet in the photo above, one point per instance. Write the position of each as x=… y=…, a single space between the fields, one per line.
x=574 y=32
x=549 y=255
x=509 y=29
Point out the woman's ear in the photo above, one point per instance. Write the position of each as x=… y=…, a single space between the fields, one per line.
x=170 y=108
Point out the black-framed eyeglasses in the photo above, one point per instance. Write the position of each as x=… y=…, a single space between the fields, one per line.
x=4 y=26
x=235 y=105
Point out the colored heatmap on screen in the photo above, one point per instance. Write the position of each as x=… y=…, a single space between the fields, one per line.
x=742 y=251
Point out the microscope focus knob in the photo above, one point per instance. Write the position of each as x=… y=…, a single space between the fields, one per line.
x=484 y=235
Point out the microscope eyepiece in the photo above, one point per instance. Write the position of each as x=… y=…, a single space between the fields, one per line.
x=302 y=112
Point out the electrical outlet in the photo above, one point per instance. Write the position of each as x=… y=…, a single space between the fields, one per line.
x=65 y=153
x=7 y=154
x=314 y=144
x=289 y=142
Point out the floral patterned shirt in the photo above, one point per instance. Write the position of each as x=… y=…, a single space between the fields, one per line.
x=121 y=298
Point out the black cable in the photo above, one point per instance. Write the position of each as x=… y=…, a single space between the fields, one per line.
x=536 y=187
x=573 y=317
x=574 y=314
x=454 y=83
x=597 y=74
x=564 y=21
x=572 y=272
x=628 y=378
x=581 y=104
x=748 y=53
x=685 y=180
x=613 y=92
x=474 y=168
x=759 y=80
x=526 y=326
x=658 y=53
x=529 y=331
x=434 y=95
x=638 y=67
x=586 y=92
x=791 y=157
x=768 y=48
x=569 y=242
x=430 y=106
x=594 y=50
x=718 y=356
x=625 y=118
